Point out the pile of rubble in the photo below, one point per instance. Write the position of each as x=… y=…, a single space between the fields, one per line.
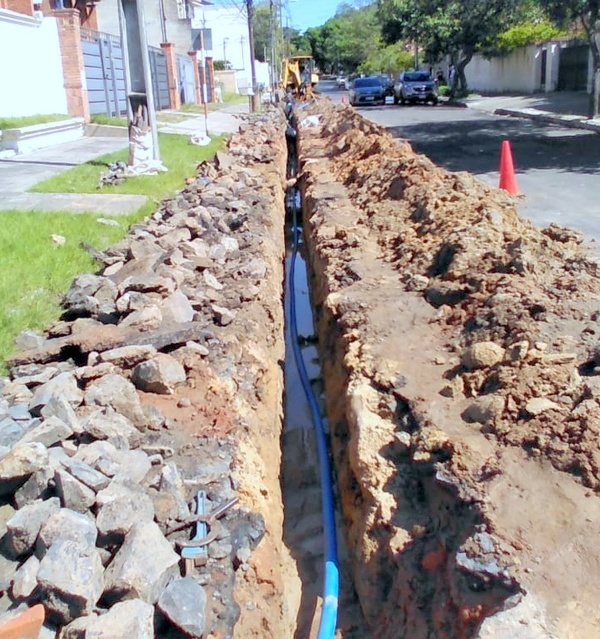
x=146 y=392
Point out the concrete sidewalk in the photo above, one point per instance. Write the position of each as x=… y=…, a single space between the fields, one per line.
x=21 y=172
x=566 y=108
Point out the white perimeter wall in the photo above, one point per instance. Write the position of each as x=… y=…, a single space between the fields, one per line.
x=519 y=72
x=31 y=76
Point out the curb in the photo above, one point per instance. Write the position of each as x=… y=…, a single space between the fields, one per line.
x=570 y=121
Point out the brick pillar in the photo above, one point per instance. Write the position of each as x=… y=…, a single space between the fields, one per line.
x=69 y=34
x=174 y=97
x=210 y=76
x=20 y=6
x=197 y=84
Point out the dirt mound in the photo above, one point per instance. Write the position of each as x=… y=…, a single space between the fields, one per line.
x=458 y=349
x=493 y=277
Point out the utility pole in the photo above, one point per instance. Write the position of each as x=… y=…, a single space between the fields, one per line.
x=225 y=41
x=254 y=100
x=273 y=76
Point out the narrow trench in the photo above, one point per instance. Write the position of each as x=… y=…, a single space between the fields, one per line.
x=303 y=518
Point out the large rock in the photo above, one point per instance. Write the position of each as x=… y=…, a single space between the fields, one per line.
x=183 y=602
x=86 y=474
x=25 y=579
x=11 y=431
x=49 y=432
x=177 y=308
x=19 y=463
x=158 y=375
x=119 y=507
x=63 y=385
x=70 y=578
x=73 y=494
x=61 y=408
x=143 y=566
x=107 y=424
x=36 y=487
x=133 y=619
x=482 y=355
x=24 y=526
x=128 y=356
x=66 y=525
x=115 y=391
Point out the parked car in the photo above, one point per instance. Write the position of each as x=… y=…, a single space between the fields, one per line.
x=388 y=84
x=367 y=90
x=415 y=86
x=342 y=82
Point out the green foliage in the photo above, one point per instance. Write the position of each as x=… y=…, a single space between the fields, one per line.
x=30 y=120
x=525 y=34
x=107 y=119
x=178 y=155
x=345 y=41
x=35 y=272
x=390 y=59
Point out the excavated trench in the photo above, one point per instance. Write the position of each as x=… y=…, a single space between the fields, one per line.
x=453 y=349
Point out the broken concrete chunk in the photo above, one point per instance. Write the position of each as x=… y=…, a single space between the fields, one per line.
x=183 y=602
x=60 y=407
x=148 y=318
x=108 y=424
x=11 y=432
x=158 y=375
x=36 y=487
x=86 y=474
x=65 y=525
x=177 y=308
x=117 y=515
x=128 y=356
x=73 y=494
x=77 y=628
x=49 y=432
x=24 y=526
x=133 y=465
x=171 y=482
x=222 y=316
x=70 y=577
x=25 y=579
x=19 y=463
x=133 y=618
x=118 y=393
x=136 y=572
x=63 y=385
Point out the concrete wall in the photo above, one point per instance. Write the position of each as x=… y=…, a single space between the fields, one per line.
x=31 y=73
x=178 y=31
x=520 y=72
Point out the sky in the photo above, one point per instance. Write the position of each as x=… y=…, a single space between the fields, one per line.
x=309 y=13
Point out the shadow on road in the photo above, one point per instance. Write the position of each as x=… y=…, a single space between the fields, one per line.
x=474 y=145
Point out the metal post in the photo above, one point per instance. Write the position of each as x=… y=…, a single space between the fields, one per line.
x=139 y=64
x=254 y=100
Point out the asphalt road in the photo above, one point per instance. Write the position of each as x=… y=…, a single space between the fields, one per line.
x=557 y=169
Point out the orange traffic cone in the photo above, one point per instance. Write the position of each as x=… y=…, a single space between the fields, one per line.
x=507 y=170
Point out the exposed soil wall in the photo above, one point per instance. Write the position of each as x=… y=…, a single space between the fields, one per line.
x=458 y=349
x=172 y=357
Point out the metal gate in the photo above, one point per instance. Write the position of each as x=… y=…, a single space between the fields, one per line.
x=160 y=80
x=187 y=85
x=103 y=64
x=573 y=68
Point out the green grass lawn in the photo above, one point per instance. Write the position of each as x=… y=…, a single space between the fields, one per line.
x=35 y=272
x=29 y=120
x=177 y=154
x=99 y=118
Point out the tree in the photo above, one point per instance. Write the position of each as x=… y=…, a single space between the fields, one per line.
x=261 y=25
x=565 y=13
x=448 y=27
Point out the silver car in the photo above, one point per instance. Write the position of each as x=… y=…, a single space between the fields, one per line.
x=415 y=86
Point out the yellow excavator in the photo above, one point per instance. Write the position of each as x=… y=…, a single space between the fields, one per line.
x=299 y=76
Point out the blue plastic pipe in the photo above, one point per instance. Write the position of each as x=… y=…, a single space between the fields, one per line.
x=331 y=585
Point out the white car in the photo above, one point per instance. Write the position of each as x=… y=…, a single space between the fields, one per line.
x=342 y=82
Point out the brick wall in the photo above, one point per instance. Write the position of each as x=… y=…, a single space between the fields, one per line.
x=69 y=33
x=20 y=6
x=172 y=75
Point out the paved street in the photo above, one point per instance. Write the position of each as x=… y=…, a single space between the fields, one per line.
x=557 y=168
